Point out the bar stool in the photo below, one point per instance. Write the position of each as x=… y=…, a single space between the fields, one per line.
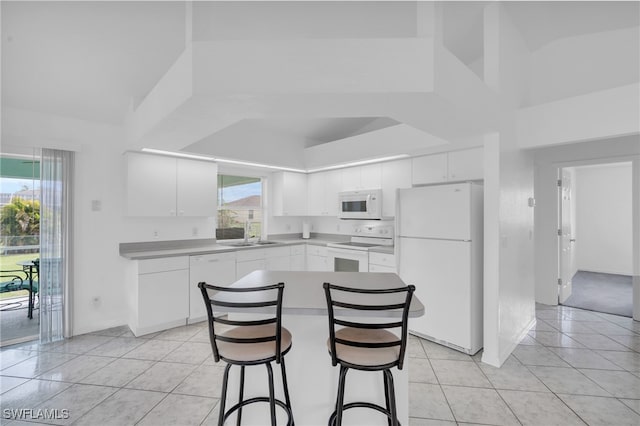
x=250 y=342
x=367 y=346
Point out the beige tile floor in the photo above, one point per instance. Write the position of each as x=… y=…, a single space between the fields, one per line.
x=576 y=367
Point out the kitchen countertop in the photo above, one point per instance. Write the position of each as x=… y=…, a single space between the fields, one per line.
x=160 y=249
x=307 y=296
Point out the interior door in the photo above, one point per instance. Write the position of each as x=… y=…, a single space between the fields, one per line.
x=566 y=258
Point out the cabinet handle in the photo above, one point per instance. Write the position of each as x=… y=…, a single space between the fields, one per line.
x=213 y=260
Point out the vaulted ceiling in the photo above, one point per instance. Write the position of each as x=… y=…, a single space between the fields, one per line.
x=96 y=60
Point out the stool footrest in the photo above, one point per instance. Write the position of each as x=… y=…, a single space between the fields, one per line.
x=332 y=419
x=260 y=399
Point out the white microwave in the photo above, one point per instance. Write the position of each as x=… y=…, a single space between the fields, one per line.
x=364 y=204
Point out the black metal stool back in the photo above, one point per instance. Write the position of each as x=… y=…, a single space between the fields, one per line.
x=367 y=345
x=250 y=341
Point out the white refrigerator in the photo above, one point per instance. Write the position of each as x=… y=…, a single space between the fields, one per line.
x=439 y=250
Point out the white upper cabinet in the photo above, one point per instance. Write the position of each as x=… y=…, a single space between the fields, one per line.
x=197 y=186
x=371 y=176
x=454 y=166
x=395 y=174
x=429 y=169
x=362 y=177
x=289 y=194
x=168 y=186
x=322 y=193
x=467 y=164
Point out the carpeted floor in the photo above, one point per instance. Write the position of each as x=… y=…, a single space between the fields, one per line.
x=600 y=292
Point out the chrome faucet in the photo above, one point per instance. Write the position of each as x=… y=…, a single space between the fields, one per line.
x=247 y=226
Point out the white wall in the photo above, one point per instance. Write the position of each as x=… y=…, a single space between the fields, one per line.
x=547 y=162
x=603 y=218
x=583 y=64
x=509 y=309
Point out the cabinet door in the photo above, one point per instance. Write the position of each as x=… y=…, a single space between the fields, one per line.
x=395 y=174
x=151 y=185
x=317 y=263
x=163 y=299
x=217 y=269
x=467 y=164
x=429 y=169
x=351 y=179
x=316 y=190
x=197 y=185
x=279 y=263
x=297 y=262
x=245 y=268
x=371 y=176
x=289 y=194
x=332 y=185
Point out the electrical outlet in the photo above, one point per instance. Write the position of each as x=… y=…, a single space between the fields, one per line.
x=194 y=231
x=155 y=234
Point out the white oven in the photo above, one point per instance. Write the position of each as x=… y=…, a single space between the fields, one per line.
x=347 y=260
x=353 y=255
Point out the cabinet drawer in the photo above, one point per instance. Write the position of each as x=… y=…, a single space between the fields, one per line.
x=163 y=264
x=383 y=259
x=297 y=250
x=317 y=250
x=277 y=251
x=212 y=258
x=250 y=254
x=380 y=268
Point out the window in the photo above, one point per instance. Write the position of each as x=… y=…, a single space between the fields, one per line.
x=239 y=205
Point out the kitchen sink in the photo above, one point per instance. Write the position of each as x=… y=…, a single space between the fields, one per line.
x=249 y=243
x=239 y=244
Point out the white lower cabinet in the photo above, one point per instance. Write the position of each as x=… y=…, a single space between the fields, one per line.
x=382 y=262
x=278 y=259
x=166 y=292
x=248 y=261
x=162 y=295
x=317 y=258
x=298 y=258
x=217 y=269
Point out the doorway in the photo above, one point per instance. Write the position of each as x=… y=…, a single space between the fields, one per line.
x=19 y=248
x=595 y=238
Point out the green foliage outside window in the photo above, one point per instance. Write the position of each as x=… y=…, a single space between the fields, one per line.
x=20 y=222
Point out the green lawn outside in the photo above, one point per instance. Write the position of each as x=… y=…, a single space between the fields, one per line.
x=9 y=262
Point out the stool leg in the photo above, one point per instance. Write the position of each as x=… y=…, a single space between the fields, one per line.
x=240 y=395
x=223 y=396
x=386 y=396
x=286 y=390
x=340 y=399
x=272 y=403
x=390 y=390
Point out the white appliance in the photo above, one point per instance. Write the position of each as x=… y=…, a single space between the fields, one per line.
x=353 y=256
x=439 y=250
x=363 y=204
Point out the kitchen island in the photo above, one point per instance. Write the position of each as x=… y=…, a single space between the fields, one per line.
x=313 y=381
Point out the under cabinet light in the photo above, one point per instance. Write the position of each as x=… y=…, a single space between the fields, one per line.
x=177 y=154
x=358 y=163
x=220 y=160
x=267 y=166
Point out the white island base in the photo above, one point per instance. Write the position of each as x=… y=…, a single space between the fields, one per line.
x=313 y=383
